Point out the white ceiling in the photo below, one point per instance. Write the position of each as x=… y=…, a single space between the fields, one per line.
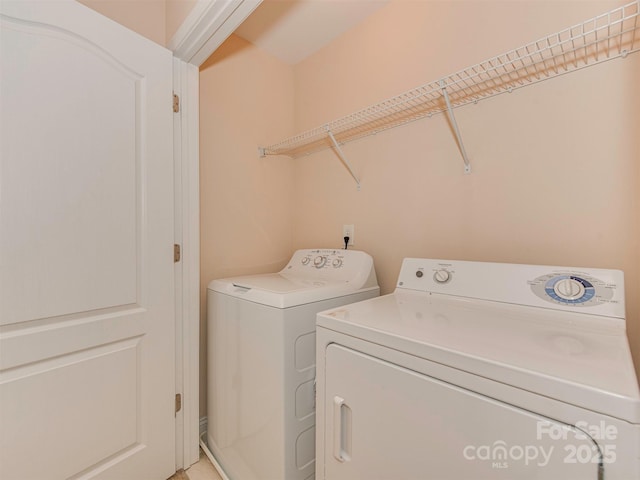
x=291 y=30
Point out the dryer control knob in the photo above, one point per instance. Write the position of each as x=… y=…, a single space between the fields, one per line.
x=569 y=289
x=442 y=276
x=337 y=262
x=319 y=262
x=306 y=260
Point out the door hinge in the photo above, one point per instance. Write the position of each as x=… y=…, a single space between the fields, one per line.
x=176 y=103
x=178 y=402
x=176 y=253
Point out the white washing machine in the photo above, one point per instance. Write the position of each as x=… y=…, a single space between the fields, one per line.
x=261 y=360
x=480 y=371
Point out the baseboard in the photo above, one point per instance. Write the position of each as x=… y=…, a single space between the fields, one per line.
x=207 y=452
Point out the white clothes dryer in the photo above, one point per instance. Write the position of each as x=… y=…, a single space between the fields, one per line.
x=480 y=371
x=261 y=360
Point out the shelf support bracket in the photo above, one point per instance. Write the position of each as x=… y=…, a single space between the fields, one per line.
x=342 y=157
x=454 y=124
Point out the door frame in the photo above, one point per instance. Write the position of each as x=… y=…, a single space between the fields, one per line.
x=187 y=270
x=207 y=26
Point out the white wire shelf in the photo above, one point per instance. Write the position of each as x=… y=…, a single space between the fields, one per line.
x=605 y=37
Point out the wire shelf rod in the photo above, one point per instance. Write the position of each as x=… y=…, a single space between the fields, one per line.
x=456 y=130
x=610 y=35
x=343 y=157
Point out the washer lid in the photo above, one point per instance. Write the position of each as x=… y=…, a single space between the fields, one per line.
x=579 y=359
x=276 y=283
x=310 y=276
x=283 y=291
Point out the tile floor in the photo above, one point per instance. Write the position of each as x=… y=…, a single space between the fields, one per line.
x=202 y=470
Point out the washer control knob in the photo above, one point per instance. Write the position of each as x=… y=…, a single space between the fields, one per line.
x=337 y=263
x=569 y=289
x=306 y=260
x=419 y=273
x=319 y=262
x=442 y=276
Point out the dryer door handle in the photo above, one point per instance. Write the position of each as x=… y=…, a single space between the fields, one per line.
x=341 y=430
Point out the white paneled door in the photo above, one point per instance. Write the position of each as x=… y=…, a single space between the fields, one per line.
x=86 y=240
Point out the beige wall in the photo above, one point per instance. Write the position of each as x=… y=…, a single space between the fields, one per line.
x=176 y=13
x=158 y=20
x=246 y=99
x=146 y=17
x=556 y=175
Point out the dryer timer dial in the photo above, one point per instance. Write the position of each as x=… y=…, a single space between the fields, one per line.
x=576 y=289
x=569 y=289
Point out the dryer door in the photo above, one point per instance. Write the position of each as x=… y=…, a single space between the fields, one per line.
x=383 y=421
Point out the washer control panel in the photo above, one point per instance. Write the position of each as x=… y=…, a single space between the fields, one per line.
x=332 y=265
x=323 y=258
x=567 y=288
x=584 y=290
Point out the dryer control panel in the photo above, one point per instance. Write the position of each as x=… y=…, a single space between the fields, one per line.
x=584 y=290
x=569 y=288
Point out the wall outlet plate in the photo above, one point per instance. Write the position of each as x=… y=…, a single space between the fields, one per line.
x=348 y=231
